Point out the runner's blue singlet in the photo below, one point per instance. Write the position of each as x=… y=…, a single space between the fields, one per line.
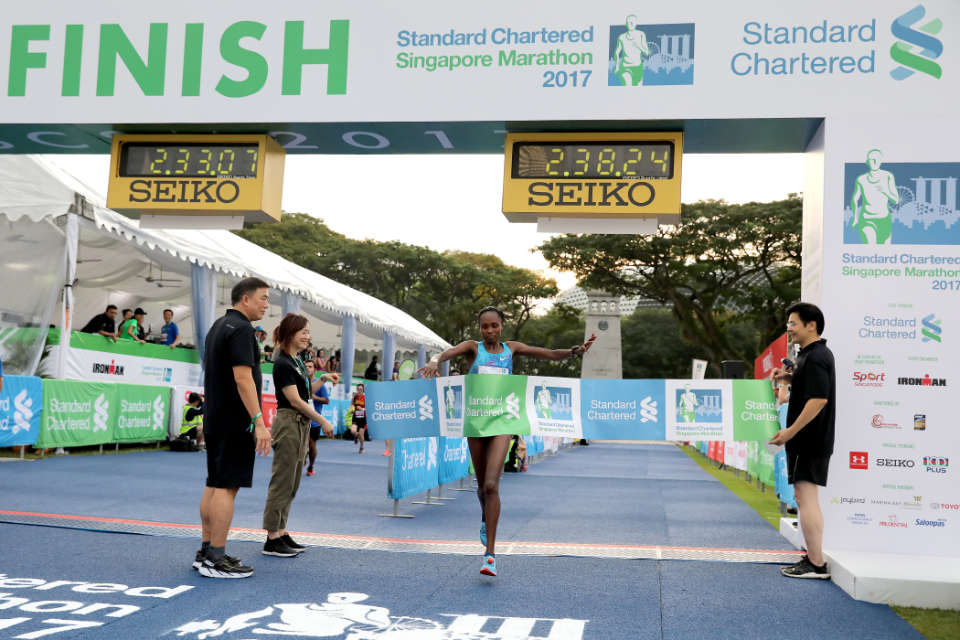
x=502 y=360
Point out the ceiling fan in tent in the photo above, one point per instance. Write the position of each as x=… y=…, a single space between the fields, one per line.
x=159 y=280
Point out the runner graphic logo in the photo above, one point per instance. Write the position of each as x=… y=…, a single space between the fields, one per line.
x=346 y=615
x=917 y=48
x=859 y=459
x=101 y=407
x=426 y=408
x=650 y=54
x=23 y=412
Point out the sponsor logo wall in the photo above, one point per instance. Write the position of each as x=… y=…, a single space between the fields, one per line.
x=891 y=277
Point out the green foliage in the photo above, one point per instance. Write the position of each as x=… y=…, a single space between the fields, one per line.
x=653 y=346
x=444 y=291
x=560 y=328
x=727 y=272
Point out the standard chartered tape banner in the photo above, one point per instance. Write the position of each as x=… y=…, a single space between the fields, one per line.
x=89 y=413
x=21 y=410
x=485 y=405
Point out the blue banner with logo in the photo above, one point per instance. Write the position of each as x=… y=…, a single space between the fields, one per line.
x=534 y=445
x=402 y=409
x=21 y=409
x=415 y=467
x=622 y=409
x=455 y=459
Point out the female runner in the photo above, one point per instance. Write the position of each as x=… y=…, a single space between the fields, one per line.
x=488 y=453
x=359 y=416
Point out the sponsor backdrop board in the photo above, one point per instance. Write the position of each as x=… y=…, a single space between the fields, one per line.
x=95 y=358
x=89 y=413
x=891 y=281
x=573 y=408
x=341 y=62
x=21 y=410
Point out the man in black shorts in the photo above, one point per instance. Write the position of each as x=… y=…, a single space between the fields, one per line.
x=809 y=438
x=233 y=423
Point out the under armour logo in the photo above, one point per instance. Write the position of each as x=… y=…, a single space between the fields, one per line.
x=859 y=459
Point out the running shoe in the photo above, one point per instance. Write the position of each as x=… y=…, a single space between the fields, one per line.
x=386 y=453
x=277 y=547
x=296 y=546
x=224 y=568
x=489 y=565
x=198 y=559
x=483 y=533
x=310 y=471
x=806 y=569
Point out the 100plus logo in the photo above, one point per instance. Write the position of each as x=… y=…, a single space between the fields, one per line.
x=936 y=464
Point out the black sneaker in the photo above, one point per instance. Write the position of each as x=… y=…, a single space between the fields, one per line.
x=296 y=546
x=277 y=547
x=198 y=559
x=224 y=568
x=806 y=569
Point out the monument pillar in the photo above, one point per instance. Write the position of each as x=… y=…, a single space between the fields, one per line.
x=604 y=360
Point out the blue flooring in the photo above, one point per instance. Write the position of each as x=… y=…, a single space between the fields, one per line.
x=353 y=595
x=601 y=494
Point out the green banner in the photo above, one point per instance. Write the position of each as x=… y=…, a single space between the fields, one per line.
x=77 y=413
x=495 y=405
x=96 y=342
x=754 y=411
x=141 y=413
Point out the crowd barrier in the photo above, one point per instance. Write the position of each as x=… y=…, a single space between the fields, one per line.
x=483 y=405
x=21 y=410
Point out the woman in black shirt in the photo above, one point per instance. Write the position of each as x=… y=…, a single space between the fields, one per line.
x=291 y=430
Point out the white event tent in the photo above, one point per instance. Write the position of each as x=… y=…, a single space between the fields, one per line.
x=58 y=241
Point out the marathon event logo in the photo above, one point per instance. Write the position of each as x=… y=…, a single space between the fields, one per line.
x=160 y=374
x=699 y=405
x=901 y=203
x=349 y=615
x=453 y=401
x=928 y=328
x=869 y=379
x=916 y=48
x=650 y=54
x=936 y=464
x=556 y=406
x=859 y=460
x=553 y=403
x=925 y=381
x=112 y=369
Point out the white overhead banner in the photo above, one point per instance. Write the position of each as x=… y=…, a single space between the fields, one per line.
x=298 y=61
x=891 y=281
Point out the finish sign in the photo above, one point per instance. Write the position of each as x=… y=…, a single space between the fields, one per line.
x=591 y=175
x=177 y=176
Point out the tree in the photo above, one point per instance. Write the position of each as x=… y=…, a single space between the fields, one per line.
x=560 y=328
x=726 y=272
x=653 y=345
x=444 y=291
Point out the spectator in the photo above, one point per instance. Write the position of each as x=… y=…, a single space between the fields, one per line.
x=261 y=336
x=128 y=330
x=321 y=359
x=138 y=315
x=169 y=332
x=333 y=365
x=359 y=405
x=192 y=424
x=127 y=314
x=809 y=439
x=103 y=323
x=372 y=372
x=396 y=370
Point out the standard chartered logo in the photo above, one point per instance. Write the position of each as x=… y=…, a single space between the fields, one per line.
x=648 y=410
x=433 y=447
x=426 y=408
x=917 y=48
x=931 y=329
x=513 y=406
x=23 y=412
x=100 y=413
x=158 y=413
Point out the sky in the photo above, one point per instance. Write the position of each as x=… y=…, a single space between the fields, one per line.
x=453 y=202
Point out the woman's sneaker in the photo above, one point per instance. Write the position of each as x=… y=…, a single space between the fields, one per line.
x=225 y=568
x=483 y=533
x=806 y=569
x=277 y=547
x=489 y=567
x=296 y=546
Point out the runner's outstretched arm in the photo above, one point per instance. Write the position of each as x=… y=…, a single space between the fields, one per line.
x=521 y=349
x=432 y=368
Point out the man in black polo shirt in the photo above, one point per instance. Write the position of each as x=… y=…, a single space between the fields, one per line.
x=233 y=425
x=103 y=323
x=809 y=437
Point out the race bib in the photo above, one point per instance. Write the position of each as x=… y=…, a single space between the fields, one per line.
x=500 y=371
